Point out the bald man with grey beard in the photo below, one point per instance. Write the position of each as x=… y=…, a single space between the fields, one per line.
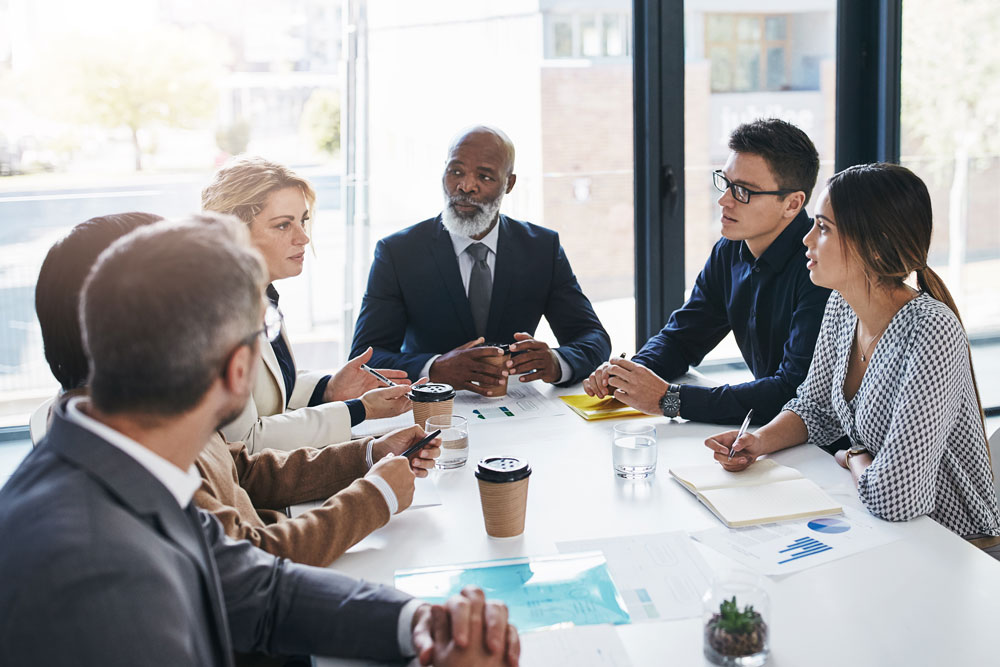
x=441 y=289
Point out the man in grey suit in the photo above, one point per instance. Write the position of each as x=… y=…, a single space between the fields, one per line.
x=106 y=561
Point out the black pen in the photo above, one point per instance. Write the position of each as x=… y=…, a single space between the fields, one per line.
x=423 y=441
x=387 y=381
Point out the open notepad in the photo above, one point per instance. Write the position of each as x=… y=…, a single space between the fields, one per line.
x=764 y=492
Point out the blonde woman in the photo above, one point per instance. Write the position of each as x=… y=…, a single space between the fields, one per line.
x=289 y=407
x=891 y=369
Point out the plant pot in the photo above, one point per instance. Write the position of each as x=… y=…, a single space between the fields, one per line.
x=736 y=613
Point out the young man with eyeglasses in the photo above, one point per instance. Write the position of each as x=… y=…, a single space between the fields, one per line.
x=755 y=284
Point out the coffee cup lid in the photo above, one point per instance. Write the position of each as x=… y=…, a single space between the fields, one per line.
x=500 y=469
x=431 y=392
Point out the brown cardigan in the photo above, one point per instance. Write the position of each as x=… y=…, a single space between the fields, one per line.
x=248 y=494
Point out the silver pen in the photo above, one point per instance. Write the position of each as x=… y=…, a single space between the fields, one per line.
x=742 y=432
x=387 y=381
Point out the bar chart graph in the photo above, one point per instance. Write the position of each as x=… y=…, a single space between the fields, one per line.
x=803 y=548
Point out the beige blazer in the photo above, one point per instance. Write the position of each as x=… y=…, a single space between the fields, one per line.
x=266 y=424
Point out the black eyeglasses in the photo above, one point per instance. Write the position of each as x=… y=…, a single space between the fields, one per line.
x=740 y=193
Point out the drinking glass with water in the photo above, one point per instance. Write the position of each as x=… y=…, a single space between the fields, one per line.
x=454 y=440
x=633 y=449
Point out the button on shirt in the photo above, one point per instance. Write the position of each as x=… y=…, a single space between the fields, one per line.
x=774 y=311
x=465 y=262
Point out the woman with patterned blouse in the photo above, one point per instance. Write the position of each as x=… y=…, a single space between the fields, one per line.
x=891 y=369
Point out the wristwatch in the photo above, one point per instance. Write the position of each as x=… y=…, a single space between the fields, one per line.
x=853 y=451
x=670 y=402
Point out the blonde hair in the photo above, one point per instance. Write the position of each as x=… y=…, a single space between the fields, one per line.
x=242 y=185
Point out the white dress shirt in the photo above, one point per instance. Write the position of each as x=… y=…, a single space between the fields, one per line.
x=465 y=262
x=179 y=483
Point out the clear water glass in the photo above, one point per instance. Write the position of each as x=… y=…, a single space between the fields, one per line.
x=454 y=440
x=633 y=449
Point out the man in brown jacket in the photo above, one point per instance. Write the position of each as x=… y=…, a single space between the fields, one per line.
x=248 y=492
x=363 y=486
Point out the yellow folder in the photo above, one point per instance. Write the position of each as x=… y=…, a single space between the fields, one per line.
x=591 y=408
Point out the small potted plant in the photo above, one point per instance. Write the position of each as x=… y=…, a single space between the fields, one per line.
x=736 y=629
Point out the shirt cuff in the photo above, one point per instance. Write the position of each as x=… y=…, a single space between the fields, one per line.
x=425 y=372
x=317 y=395
x=404 y=634
x=356 y=408
x=386 y=491
x=368 y=453
x=565 y=372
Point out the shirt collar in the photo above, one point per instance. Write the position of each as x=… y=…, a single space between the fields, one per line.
x=272 y=294
x=460 y=242
x=786 y=246
x=180 y=484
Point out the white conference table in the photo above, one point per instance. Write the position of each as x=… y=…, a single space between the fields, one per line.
x=927 y=599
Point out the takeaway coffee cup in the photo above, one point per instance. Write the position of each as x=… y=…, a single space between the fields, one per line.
x=503 y=492
x=500 y=361
x=431 y=399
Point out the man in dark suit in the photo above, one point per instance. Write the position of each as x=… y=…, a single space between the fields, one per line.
x=107 y=562
x=441 y=288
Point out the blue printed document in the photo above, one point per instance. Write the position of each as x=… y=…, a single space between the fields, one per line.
x=543 y=592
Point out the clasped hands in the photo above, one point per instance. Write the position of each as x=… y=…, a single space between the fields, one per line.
x=631 y=383
x=466 y=630
x=468 y=366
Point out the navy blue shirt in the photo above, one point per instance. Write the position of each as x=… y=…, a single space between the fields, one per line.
x=774 y=312
x=287 y=364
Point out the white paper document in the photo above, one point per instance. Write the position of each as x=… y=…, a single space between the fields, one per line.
x=580 y=646
x=522 y=401
x=660 y=577
x=783 y=548
x=425 y=494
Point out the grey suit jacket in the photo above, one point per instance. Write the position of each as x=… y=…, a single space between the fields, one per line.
x=99 y=565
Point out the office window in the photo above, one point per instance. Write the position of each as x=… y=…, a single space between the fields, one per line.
x=950 y=136
x=218 y=78
x=590 y=35
x=758 y=52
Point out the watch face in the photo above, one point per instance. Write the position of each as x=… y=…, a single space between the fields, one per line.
x=670 y=404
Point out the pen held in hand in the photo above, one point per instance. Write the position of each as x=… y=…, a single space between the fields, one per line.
x=742 y=431
x=422 y=443
x=378 y=376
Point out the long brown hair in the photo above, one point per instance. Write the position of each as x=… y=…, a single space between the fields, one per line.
x=884 y=218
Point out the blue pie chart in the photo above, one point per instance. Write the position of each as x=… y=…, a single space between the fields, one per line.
x=829 y=525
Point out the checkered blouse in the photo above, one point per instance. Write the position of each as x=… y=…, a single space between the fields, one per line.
x=915 y=411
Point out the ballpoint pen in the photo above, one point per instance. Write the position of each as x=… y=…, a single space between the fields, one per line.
x=387 y=381
x=743 y=430
x=415 y=448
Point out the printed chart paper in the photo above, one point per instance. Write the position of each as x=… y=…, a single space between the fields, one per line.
x=660 y=577
x=522 y=401
x=783 y=548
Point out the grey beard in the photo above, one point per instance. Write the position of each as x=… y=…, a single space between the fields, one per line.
x=469 y=225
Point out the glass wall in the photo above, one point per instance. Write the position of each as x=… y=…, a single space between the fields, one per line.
x=747 y=60
x=122 y=105
x=951 y=137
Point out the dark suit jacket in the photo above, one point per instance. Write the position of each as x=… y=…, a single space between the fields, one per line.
x=415 y=305
x=100 y=566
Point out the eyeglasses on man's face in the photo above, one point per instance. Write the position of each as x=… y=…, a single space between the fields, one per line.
x=741 y=193
x=272 y=329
